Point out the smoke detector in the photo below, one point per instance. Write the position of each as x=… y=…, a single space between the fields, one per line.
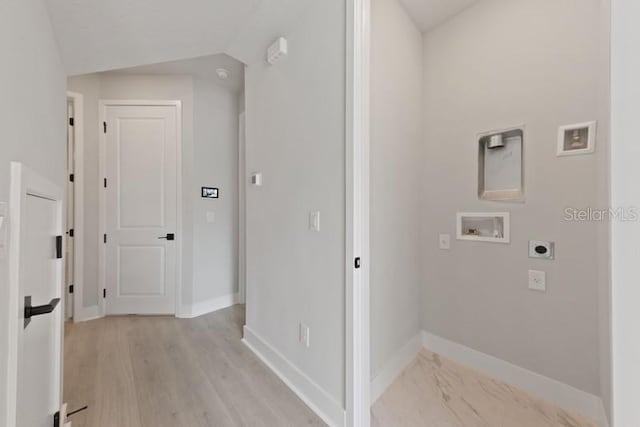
x=222 y=73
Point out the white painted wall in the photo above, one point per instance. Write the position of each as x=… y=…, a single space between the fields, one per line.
x=32 y=115
x=396 y=183
x=625 y=176
x=296 y=138
x=215 y=164
x=502 y=63
x=209 y=159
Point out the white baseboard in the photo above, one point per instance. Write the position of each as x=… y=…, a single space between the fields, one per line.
x=553 y=391
x=395 y=366
x=324 y=405
x=84 y=314
x=209 y=306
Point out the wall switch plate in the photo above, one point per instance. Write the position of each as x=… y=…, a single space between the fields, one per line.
x=445 y=241
x=537 y=280
x=4 y=224
x=541 y=249
x=304 y=335
x=211 y=217
x=314 y=221
x=256 y=179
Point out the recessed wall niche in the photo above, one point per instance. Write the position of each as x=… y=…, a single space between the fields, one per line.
x=500 y=165
x=491 y=227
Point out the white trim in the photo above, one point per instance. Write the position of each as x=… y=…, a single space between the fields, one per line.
x=88 y=313
x=242 y=208
x=322 y=403
x=357 y=348
x=80 y=312
x=209 y=306
x=550 y=390
x=103 y=103
x=591 y=142
x=23 y=182
x=395 y=366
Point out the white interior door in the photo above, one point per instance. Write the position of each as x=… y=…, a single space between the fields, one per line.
x=141 y=150
x=36 y=274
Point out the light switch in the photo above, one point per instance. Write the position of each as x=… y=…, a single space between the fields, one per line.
x=314 y=221
x=256 y=179
x=445 y=241
x=537 y=280
x=211 y=217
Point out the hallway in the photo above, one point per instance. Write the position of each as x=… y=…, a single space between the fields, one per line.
x=167 y=372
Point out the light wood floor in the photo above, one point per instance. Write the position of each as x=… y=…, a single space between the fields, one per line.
x=437 y=392
x=160 y=371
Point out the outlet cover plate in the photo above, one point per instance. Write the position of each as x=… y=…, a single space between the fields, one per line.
x=537 y=280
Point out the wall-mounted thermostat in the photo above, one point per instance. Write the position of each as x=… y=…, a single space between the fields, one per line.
x=540 y=249
x=210 y=193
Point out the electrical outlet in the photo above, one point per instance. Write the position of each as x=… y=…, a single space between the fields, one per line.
x=304 y=335
x=445 y=241
x=314 y=221
x=537 y=280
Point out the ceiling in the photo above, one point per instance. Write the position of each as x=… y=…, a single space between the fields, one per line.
x=203 y=67
x=430 y=13
x=100 y=35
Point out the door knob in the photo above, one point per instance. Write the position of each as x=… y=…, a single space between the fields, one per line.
x=169 y=236
x=30 y=311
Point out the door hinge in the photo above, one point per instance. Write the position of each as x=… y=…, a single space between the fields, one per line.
x=58 y=247
x=56 y=419
x=105 y=183
x=71 y=123
x=71 y=177
x=357 y=263
x=105 y=238
x=71 y=233
x=104 y=293
x=104 y=126
x=70 y=289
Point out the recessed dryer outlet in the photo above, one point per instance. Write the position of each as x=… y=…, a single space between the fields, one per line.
x=500 y=160
x=541 y=249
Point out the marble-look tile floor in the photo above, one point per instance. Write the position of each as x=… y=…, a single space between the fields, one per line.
x=436 y=392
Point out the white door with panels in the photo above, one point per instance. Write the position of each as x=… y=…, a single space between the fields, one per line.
x=141 y=155
x=35 y=309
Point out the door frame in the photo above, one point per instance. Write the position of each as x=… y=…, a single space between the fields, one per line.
x=80 y=313
x=242 y=209
x=102 y=205
x=25 y=182
x=357 y=320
